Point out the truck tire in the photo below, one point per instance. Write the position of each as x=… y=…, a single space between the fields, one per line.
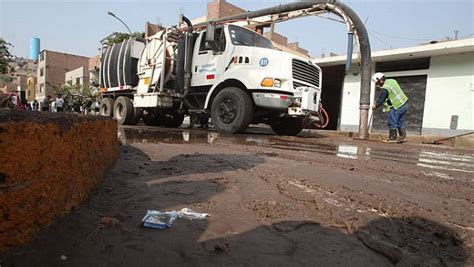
x=106 y=107
x=232 y=110
x=150 y=118
x=287 y=125
x=123 y=110
x=171 y=119
x=137 y=115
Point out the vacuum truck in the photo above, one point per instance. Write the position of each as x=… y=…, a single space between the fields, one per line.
x=224 y=71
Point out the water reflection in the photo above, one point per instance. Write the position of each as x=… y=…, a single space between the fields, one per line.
x=353 y=152
x=435 y=163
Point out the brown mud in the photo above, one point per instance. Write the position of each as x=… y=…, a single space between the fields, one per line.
x=309 y=200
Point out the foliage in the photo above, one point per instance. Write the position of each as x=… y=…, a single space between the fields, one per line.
x=76 y=96
x=118 y=37
x=5 y=56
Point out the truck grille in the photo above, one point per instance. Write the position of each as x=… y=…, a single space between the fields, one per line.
x=305 y=72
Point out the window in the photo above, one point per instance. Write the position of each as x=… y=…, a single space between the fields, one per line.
x=42 y=56
x=41 y=88
x=242 y=36
x=78 y=81
x=403 y=65
x=220 y=43
x=42 y=72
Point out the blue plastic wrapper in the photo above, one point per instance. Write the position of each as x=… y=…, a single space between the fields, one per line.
x=159 y=220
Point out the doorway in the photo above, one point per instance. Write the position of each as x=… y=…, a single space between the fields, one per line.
x=331 y=95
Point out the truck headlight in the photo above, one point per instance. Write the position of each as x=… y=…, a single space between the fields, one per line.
x=270 y=82
x=277 y=83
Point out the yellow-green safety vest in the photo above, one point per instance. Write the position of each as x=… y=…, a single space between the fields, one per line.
x=395 y=94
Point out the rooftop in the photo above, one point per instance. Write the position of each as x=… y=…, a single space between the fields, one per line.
x=425 y=50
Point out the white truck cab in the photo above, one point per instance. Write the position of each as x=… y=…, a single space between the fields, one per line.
x=273 y=77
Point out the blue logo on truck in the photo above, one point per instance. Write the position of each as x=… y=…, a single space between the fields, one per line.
x=263 y=62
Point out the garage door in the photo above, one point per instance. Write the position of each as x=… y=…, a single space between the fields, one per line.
x=415 y=88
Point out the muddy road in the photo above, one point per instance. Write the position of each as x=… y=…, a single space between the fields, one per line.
x=311 y=200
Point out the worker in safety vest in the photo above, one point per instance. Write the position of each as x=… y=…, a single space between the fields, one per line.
x=395 y=103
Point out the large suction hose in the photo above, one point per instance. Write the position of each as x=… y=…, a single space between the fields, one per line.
x=188 y=57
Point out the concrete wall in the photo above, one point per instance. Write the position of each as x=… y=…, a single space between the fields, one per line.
x=350 y=101
x=49 y=162
x=73 y=76
x=449 y=91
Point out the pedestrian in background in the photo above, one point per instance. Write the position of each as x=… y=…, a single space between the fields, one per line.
x=59 y=103
x=395 y=103
x=46 y=103
x=35 y=105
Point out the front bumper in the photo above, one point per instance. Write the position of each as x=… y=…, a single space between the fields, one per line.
x=305 y=100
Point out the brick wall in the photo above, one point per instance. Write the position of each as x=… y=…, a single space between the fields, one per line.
x=49 y=162
x=221 y=8
x=277 y=38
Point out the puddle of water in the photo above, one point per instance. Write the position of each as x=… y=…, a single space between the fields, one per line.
x=349 y=152
x=426 y=159
x=446 y=161
x=439 y=175
x=132 y=136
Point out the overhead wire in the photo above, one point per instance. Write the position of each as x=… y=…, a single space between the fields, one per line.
x=380 y=40
x=399 y=37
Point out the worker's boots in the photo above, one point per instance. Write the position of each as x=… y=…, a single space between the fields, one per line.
x=392 y=136
x=402 y=133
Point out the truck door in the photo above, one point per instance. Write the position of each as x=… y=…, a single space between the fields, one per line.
x=208 y=62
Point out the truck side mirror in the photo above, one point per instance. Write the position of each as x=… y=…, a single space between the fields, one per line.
x=210 y=33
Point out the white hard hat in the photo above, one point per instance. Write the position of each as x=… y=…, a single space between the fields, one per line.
x=377 y=76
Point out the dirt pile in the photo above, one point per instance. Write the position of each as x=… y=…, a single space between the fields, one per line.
x=49 y=162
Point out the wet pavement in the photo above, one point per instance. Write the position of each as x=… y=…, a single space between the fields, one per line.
x=434 y=161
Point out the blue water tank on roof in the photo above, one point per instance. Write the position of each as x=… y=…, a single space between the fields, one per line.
x=34 y=48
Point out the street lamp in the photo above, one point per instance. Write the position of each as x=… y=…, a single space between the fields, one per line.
x=113 y=15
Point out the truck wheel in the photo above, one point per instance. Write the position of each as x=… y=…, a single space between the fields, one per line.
x=150 y=118
x=123 y=110
x=106 y=107
x=171 y=119
x=137 y=115
x=287 y=125
x=232 y=110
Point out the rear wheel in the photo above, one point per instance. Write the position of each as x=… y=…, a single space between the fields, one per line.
x=287 y=125
x=106 y=107
x=171 y=119
x=123 y=110
x=232 y=110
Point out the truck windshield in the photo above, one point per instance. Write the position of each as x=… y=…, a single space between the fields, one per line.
x=241 y=36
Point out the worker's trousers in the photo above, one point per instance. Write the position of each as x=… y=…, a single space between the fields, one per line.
x=396 y=117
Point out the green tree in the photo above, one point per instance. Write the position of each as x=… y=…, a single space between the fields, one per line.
x=118 y=37
x=76 y=96
x=5 y=56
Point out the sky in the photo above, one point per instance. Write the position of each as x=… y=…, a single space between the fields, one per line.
x=76 y=27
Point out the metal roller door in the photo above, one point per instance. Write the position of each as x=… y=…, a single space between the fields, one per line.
x=415 y=88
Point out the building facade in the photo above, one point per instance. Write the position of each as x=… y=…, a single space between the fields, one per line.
x=77 y=77
x=19 y=80
x=52 y=69
x=438 y=79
